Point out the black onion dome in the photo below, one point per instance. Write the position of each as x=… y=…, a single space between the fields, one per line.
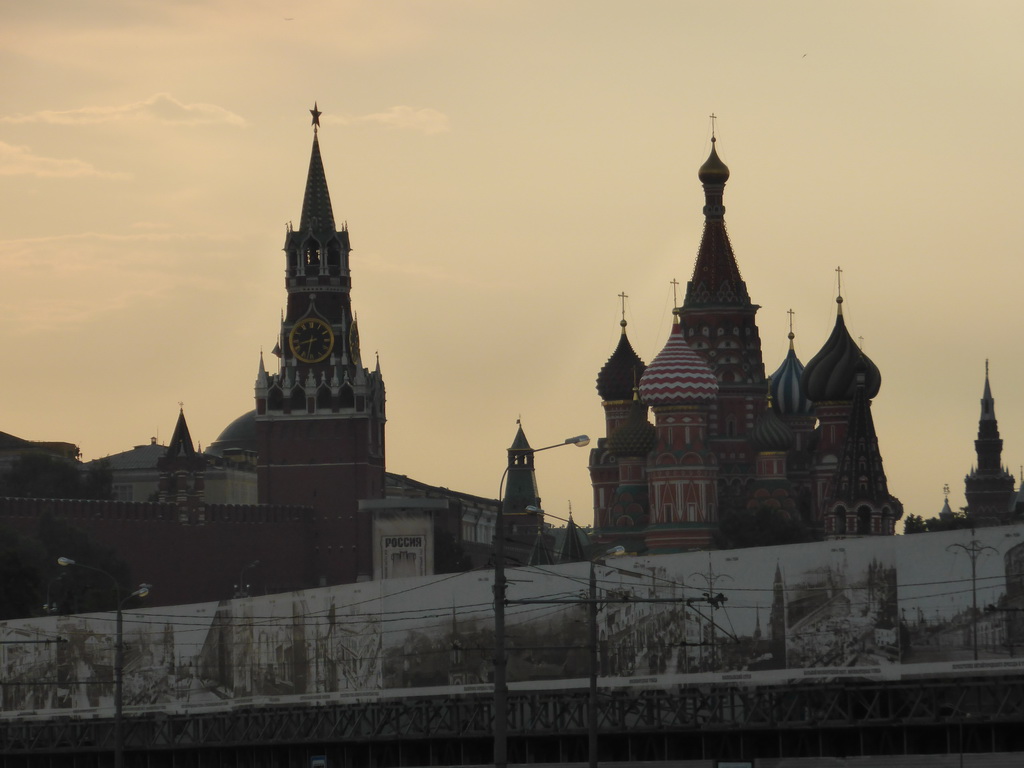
x=714 y=171
x=636 y=437
x=622 y=371
x=832 y=373
x=770 y=433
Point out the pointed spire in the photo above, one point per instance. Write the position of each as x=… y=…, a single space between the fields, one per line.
x=181 y=440
x=317 y=214
x=860 y=477
x=573 y=549
x=988 y=404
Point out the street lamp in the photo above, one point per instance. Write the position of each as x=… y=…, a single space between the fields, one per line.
x=500 y=590
x=242 y=589
x=594 y=669
x=141 y=591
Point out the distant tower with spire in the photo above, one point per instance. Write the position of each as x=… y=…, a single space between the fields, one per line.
x=182 y=474
x=989 y=486
x=520 y=502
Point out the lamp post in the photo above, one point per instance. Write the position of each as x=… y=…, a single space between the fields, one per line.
x=974 y=549
x=141 y=591
x=242 y=589
x=594 y=668
x=500 y=590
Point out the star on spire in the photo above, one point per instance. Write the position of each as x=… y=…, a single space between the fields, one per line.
x=316 y=115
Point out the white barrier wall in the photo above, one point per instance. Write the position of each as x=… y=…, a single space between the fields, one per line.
x=882 y=608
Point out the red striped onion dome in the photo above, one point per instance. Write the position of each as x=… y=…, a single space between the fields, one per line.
x=678 y=375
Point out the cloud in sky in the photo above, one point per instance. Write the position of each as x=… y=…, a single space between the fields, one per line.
x=425 y=120
x=160 y=108
x=20 y=161
x=79 y=268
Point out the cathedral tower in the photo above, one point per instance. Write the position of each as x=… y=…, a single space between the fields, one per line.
x=718 y=321
x=616 y=384
x=830 y=380
x=683 y=470
x=320 y=418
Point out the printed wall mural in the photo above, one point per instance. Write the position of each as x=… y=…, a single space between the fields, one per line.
x=927 y=604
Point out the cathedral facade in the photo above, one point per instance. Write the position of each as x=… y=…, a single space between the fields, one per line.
x=725 y=438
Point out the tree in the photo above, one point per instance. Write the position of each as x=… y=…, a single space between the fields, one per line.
x=21 y=575
x=32 y=583
x=449 y=557
x=45 y=476
x=956 y=521
x=763 y=526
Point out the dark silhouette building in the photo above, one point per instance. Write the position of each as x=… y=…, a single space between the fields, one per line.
x=720 y=443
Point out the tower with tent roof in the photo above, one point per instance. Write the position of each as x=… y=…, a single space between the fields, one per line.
x=320 y=416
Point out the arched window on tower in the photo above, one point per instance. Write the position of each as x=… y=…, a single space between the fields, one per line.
x=275 y=399
x=346 y=398
x=311 y=256
x=864 y=521
x=323 y=398
x=334 y=258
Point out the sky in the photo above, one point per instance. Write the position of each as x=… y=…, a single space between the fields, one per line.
x=506 y=170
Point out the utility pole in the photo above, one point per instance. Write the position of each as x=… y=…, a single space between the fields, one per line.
x=974 y=550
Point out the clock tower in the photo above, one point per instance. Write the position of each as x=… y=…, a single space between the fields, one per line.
x=320 y=418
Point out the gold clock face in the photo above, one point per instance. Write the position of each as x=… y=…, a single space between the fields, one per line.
x=311 y=340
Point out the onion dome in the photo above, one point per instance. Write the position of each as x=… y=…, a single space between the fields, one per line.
x=620 y=374
x=770 y=433
x=678 y=375
x=832 y=373
x=636 y=437
x=785 y=388
x=714 y=171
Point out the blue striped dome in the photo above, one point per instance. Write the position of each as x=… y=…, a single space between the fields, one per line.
x=786 y=390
